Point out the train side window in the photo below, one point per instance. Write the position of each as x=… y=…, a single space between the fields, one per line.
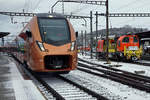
x=119 y=43
x=135 y=39
x=126 y=40
x=21 y=43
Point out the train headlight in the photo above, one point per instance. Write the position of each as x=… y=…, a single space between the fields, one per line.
x=40 y=45
x=73 y=45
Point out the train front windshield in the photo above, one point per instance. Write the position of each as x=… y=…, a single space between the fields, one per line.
x=54 y=31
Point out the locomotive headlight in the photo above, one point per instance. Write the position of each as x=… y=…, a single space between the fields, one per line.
x=40 y=45
x=73 y=45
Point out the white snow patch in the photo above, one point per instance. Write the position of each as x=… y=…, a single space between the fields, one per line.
x=24 y=89
x=124 y=66
x=124 y=91
x=128 y=93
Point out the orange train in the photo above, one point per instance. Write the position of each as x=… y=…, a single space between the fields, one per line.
x=48 y=44
x=123 y=47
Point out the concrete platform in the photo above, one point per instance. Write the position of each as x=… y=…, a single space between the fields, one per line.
x=13 y=86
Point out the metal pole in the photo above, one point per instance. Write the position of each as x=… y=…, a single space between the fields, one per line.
x=96 y=32
x=63 y=7
x=85 y=22
x=53 y=7
x=107 y=31
x=85 y=41
x=2 y=41
x=91 y=44
x=82 y=41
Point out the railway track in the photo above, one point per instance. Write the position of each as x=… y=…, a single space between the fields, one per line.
x=60 y=88
x=136 y=62
x=118 y=70
x=141 y=63
x=71 y=90
x=124 y=77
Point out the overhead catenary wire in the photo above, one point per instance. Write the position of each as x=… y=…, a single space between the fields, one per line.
x=80 y=9
x=36 y=5
x=135 y=7
x=131 y=22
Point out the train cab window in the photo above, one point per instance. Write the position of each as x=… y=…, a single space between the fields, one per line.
x=119 y=43
x=112 y=42
x=135 y=39
x=125 y=40
x=54 y=31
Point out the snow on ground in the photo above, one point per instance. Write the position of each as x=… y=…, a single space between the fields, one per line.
x=124 y=66
x=24 y=89
x=144 y=61
x=111 y=87
x=108 y=87
x=124 y=91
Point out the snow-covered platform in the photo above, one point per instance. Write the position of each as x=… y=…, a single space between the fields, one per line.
x=13 y=83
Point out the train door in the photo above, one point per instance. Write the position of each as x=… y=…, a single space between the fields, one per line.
x=28 y=46
x=100 y=46
x=125 y=43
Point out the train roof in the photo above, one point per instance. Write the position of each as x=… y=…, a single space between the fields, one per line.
x=51 y=15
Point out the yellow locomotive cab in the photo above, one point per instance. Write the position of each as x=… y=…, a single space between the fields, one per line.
x=124 y=47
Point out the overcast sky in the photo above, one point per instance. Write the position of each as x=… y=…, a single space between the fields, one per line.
x=44 y=6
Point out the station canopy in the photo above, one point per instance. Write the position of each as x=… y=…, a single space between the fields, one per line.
x=2 y=34
x=143 y=34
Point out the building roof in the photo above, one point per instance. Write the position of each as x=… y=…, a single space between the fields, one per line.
x=2 y=34
x=143 y=34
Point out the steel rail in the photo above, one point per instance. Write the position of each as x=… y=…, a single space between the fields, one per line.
x=32 y=74
x=55 y=93
x=126 y=73
x=90 y=92
x=115 y=77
